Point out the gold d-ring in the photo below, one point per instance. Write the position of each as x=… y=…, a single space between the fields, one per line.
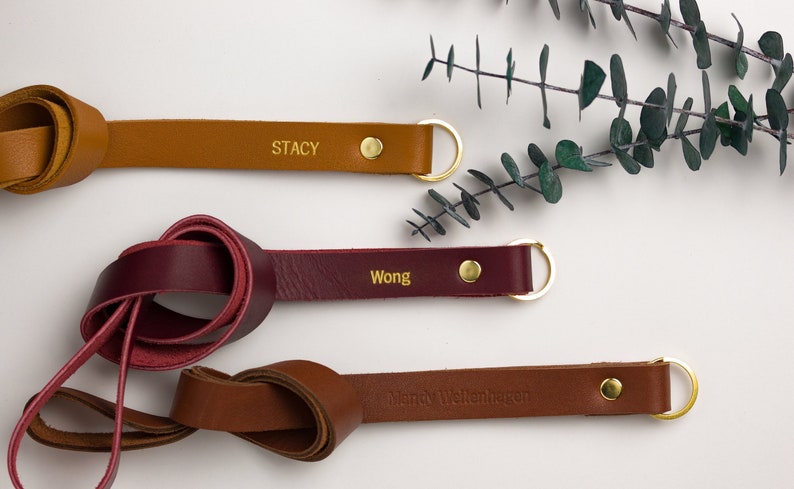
x=531 y=296
x=692 y=398
x=458 y=157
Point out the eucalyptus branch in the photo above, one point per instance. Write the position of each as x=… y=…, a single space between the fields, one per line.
x=656 y=113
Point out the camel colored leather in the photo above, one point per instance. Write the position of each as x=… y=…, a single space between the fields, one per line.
x=50 y=139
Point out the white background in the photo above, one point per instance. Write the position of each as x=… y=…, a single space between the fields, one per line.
x=668 y=262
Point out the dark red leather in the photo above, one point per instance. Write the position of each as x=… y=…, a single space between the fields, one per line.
x=125 y=324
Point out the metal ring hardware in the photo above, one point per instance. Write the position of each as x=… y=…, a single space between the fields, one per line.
x=458 y=157
x=531 y=296
x=692 y=398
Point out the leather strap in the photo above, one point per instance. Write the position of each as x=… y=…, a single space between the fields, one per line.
x=303 y=410
x=50 y=139
x=125 y=323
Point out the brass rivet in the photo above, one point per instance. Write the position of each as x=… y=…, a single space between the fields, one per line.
x=611 y=389
x=469 y=271
x=371 y=148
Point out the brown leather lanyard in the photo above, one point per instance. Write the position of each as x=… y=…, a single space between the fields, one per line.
x=125 y=323
x=50 y=139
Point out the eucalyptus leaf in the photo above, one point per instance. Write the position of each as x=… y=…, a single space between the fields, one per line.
x=417 y=230
x=664 y=20
x=620 y=133
x=700 y=41
x=783 y=73
x=432 y=48
x=477 y=75
x=739 y=56
x=592 y=79
x=691 y=155
x=536 y=155
x=708 y=135
x=618 y=77
x=771 y=44
x=747 y=127
x=783 y=150
x=492 y=185
x=555 y=8
x=543 y=62
x=584 y=6
x=512 y=170
x=737 y=99
x=543 y=65
x=511 y=67
x=776 y=110
x=428 y=69
x=690 y=12
x=725 y=129
x=706 y=91
x=738 y=135
x=439 y=198
x=683 y=117
x=437 y=227
x=619 y=11
x=628 y=163
x=653 y=120
x=470 y=202
x=642 y=151
x=450 y=62
x=569 y=155
x=670 y=104
x=550 y=184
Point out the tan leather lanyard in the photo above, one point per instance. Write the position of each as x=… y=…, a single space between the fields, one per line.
x=50 y=139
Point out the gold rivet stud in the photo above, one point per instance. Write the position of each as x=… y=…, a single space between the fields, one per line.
x=371 y=148
x=469 y=271
x=611 y=389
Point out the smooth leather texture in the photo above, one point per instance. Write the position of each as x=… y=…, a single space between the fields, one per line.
x=201 y=254
x=49 y=139
x=303 y=410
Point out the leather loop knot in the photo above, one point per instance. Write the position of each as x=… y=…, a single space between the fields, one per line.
x=299 y=409
x=199 y=254
x=48 y=139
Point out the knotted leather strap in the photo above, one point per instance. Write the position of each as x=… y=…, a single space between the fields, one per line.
x=125 y=323
x=303 y=410
x=49 y=139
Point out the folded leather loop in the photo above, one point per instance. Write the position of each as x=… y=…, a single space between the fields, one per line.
x=49 y=139
x=126 y=324
x=303 y=410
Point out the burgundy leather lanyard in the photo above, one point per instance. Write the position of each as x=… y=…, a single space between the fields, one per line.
x=125 y=324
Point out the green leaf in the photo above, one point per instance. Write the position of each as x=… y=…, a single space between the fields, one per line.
x=428 y=69
x=642 y=152
x=592 y=79
x=619 y=11
x=683 y=117
x=511 y=68
x=628 y=163
x=432 y=48
x=771 y=44
x=512 y=169
x=708 y=135
x=664 y=20
x=543 y=64
x=470 y=202
x=700 y=41
x=670 y=105
x=783 y=149
x=653 y=120
x=748 y=122
x=620 y=133
x=691 y=155
x=477 y=75
x=783 y=73
x=417 y=230
x=776 y=110
x=447 y=206
x=706 y=92
x=450 y=62
x=739 y=56
x=737 y=99
x=437 y=227
x=550 y=184
x=555 y=8
x=492 y=186
x=569 y=155
x=738 y=135
x=584 y=6
x=536 y=155
x=690 y=12
x=618 y=77
x=725 y=129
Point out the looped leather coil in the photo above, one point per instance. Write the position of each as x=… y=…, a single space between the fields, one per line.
x=50 y=139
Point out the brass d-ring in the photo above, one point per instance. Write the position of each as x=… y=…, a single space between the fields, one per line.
x=458 y=156
x=692 y=398
x=531 y=296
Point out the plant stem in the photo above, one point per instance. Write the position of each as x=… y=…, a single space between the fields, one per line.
x=690 y=29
